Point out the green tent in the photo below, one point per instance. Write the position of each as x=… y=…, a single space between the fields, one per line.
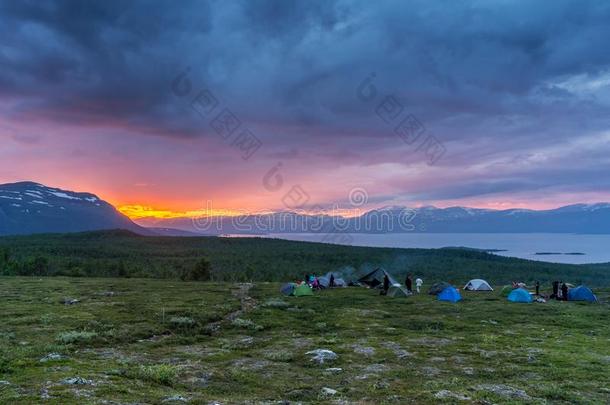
x=302 y=289
x=507 y=289
x=398 y=292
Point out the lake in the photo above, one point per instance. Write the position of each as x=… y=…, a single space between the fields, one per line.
x=596 y=248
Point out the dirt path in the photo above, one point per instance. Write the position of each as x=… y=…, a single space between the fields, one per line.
x=247 y=304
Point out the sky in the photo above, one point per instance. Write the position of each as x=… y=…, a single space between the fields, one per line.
x=175 y=108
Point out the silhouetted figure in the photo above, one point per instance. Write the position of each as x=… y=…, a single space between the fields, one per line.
x=331 y=283
x=386 y=284
x=537 y=287
x=555 y=290
x=409 y=283
x=564 y=291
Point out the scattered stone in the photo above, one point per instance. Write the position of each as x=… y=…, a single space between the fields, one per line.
x=445 y=394
x=175 y=398
x=4 y=382
x=397 y=350
x=333 y=370
x=468 y=370
x=69 y=301
x=76 y=381
x=107 y=293
x=44 y=392
x=487 y=353
x=503 y=391
x=52 y=357
x=437 y=359
x=328 y=392
x=375 y=368
x=430 y=371
x=201 y=381
x=365 y=351
x=491 y=321
x=322 y=355
x=242 y=342
x=250 y=364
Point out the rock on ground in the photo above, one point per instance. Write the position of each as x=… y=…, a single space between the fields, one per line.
x=503 y=391
x=445 y=394
x=322 y=355
x=76 y=381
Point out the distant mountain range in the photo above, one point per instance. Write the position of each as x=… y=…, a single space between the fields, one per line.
x=28 y=207
x=579 y=218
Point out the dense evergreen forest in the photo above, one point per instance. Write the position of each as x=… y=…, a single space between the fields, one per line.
x=124 y=254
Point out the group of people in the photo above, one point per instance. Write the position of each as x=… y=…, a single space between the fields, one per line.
x=408 y=284
x=560 y=291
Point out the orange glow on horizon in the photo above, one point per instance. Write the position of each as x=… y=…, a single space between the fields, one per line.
x=143 y=211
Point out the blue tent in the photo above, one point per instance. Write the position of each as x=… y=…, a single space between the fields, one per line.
x=449 y=294
x=581 y=293
x=519 y=295
x=288 y=288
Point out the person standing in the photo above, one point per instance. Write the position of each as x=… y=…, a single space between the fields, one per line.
x=418 y=283
x=331 y=283
x=555 y=290
x=564 y=291
x=537 y=287
x=409 y=283
x=386 y=284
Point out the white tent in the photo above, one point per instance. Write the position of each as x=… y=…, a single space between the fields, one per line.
x=478 y=285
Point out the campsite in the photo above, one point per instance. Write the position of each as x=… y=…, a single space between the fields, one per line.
x=167 y=341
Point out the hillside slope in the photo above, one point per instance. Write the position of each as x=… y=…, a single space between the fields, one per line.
x=122 y=253
x=28 y=208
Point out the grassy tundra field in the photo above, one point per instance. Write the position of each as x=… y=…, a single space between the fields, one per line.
x=167 y=341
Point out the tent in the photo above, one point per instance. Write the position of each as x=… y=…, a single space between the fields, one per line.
x=520 y=295
x=325 y=280
x=301 y=290
x=449 y=294
x=581 y=293
x=288 y=288
x=478 y=285
x=375 y=278
x=506 y=290
x=437 y=288
x=397 y=292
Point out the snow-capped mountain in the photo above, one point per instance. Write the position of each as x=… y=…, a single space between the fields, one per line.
x=579 y=218
x=28 y=207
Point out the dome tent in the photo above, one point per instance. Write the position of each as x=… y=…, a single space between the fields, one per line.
x=581 y=293
x=450 y=294
x=438 y=288
x=478 y=284
x=506 y=290
x=520 y=295
x=288 y=288
x=301 y=290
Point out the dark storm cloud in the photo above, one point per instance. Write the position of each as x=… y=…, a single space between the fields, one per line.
x=491 y=79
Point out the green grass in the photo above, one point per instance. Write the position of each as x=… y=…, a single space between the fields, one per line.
x=156 y=339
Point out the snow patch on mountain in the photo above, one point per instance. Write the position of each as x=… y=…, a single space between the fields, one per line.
x=64 y=195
